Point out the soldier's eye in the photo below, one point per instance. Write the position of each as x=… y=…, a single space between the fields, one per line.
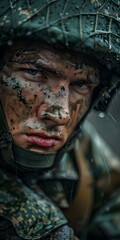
x=33 y=72
x=79 y=84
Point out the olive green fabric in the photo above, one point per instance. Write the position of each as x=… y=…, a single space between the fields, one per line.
x=90 y=26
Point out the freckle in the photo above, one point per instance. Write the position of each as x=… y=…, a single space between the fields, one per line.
x=35 y=95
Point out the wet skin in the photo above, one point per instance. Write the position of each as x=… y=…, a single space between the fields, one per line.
x=45 y=92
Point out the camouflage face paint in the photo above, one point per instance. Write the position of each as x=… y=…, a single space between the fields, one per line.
x=45 y=92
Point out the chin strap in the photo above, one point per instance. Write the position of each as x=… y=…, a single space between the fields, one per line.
x=80 y=210
x=29 y=160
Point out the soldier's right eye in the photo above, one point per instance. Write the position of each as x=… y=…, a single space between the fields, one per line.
x=33 y=72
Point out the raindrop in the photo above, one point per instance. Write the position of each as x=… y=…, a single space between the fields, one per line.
x=11 y=4
x=112 y=117
x=101 y=114
x=110 y=46
x=107 y=209
x=28 y=33
x=117 y=58
x=10 y=42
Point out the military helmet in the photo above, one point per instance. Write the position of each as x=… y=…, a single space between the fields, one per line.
x=90 y=26
x=87 y=26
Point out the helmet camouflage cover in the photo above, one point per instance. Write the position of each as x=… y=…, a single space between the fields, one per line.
x=91 y=26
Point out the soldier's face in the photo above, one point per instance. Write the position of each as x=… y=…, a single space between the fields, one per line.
x=45 y=92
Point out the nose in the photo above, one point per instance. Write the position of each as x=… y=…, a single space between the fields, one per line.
x=56 y=108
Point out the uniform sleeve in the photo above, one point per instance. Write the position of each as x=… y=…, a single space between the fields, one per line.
x=63 y=233
x=106 y=222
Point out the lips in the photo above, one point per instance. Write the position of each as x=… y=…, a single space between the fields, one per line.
x=42 y=139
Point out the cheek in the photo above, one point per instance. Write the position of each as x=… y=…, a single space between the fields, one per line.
x=19 y=101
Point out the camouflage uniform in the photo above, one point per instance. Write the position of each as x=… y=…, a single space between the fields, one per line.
x=30 y=211
x=25 y=208
x=25 y=203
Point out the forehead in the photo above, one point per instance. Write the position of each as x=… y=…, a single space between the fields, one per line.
x=33 y=50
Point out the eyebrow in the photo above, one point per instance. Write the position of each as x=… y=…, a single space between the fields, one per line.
x=48 y=69
x=31 y=58
x=39 y=65
x=87 y=81
x=56 y=72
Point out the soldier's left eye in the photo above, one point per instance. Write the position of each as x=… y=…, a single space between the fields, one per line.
x=80 y=84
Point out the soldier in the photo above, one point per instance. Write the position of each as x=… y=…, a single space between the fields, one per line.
x=55 y=58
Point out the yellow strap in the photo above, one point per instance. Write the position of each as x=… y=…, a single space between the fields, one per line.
x=80 y=209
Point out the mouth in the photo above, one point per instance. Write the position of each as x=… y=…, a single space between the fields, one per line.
x=42 y=139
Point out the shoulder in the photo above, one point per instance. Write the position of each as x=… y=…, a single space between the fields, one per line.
x=31 y=212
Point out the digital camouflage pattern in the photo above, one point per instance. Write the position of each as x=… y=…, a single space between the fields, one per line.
x=91 y=26
x=30 y=211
